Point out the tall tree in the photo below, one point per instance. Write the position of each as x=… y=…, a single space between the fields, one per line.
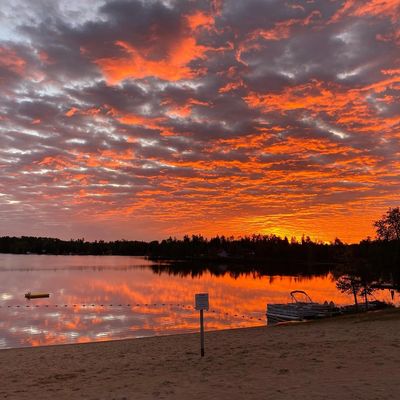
x=388 y=227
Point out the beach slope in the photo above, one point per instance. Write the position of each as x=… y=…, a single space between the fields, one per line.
x=351 y=357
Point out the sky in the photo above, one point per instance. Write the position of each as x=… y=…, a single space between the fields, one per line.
x=145 y=119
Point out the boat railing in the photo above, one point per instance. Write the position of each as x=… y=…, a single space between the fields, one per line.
x=295 y=299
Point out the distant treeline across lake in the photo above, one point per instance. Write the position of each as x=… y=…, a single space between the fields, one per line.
x=269 y=254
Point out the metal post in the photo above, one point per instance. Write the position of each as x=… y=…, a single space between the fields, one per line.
x=202 y=332
x=201 y=304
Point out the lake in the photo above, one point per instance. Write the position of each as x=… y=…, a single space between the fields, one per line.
x=94 y=298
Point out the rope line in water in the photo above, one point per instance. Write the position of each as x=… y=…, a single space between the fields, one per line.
x=129 y=305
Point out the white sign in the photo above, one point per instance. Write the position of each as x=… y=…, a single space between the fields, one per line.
x=201 y=300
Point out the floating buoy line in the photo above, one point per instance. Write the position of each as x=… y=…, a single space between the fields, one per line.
x=120 y=305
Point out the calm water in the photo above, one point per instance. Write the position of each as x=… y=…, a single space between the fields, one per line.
x=95 y=298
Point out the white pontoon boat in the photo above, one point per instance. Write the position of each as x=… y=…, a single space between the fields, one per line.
x=301 y=308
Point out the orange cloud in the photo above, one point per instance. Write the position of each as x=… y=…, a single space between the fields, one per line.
x=380 y=8
x=349 y=107
x=10 y=60
x=314 y=96
x=134 y=119
x=136 y=64
x=182 y=110
x=201 y=20
x=55 y=162
x=282 y=30
x=72 y=111
x=235 y=148
x=377 y=8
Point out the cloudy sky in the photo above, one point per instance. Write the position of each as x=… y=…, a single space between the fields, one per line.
x=144 y=119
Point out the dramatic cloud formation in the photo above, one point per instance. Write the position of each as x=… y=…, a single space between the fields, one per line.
x=141 y=119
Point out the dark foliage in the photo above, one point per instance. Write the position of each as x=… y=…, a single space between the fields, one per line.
x=258 y=254
x=388 y=227
x=40 y=245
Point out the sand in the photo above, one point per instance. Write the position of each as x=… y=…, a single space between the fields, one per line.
x=352 y=357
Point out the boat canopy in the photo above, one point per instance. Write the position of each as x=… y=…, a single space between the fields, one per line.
x=300 y=296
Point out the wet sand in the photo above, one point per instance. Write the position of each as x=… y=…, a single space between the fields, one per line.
x=352 y=357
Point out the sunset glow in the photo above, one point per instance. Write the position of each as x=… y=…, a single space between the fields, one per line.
x=145 y=119
x=104 y=298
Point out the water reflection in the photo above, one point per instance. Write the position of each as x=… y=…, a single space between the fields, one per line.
x=96 y=298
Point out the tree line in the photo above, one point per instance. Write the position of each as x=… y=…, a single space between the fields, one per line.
x=267 y=254
x=195 y=247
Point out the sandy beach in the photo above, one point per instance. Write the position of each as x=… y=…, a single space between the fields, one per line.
x=352 y=357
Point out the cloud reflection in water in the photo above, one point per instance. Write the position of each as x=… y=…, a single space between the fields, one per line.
x=105 y=298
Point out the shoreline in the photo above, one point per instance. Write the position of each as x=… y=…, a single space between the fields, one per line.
x=352 y=356
x=265 y=326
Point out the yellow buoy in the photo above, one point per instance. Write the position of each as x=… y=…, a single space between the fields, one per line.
x=30 y=295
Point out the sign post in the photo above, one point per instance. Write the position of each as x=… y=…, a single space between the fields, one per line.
x=201 y=302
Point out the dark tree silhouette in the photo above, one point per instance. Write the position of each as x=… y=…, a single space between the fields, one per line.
x=388 y=227
x=369 y=260
x=350 y=284
x=355 y=285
